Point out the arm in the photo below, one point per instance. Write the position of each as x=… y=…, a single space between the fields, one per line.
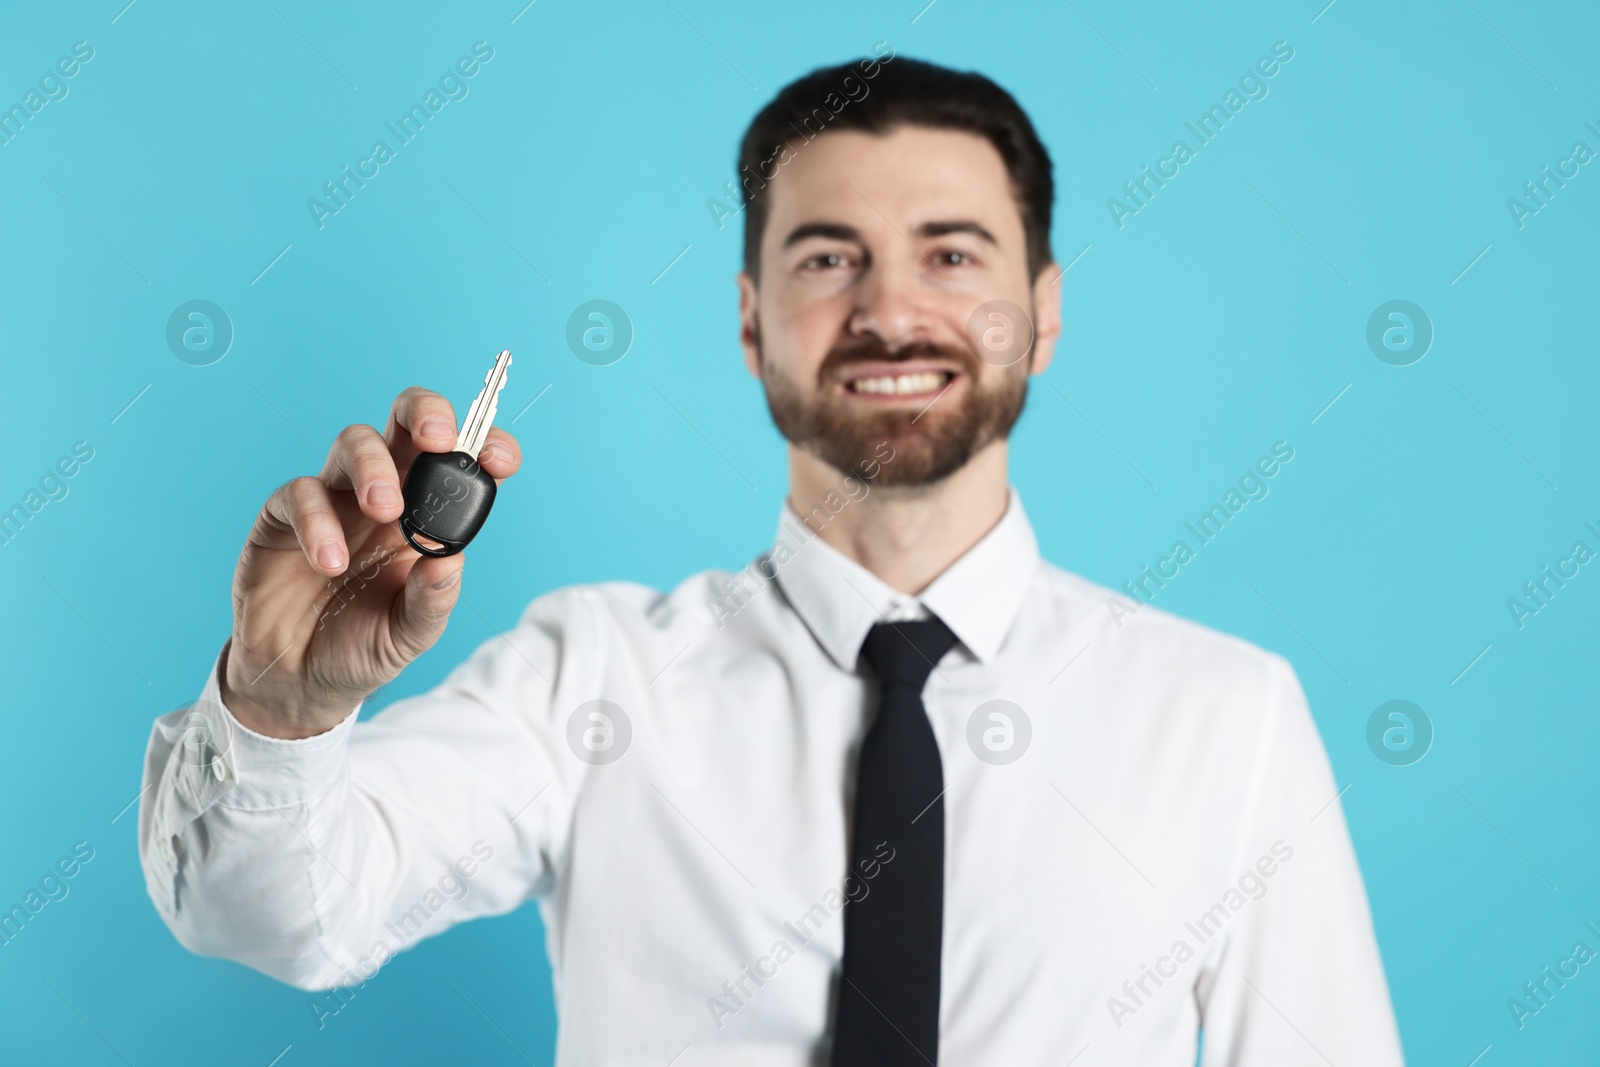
x=1299 y=980
x=316 y=859
x=277 y=830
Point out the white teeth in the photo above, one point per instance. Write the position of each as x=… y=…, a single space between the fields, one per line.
x=925 y=382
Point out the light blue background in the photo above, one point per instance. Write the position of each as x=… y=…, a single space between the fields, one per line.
x=1224 y=316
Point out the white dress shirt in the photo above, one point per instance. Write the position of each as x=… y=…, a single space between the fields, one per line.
x=1151 y=846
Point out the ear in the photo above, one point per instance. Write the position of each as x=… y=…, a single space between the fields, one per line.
x=1047 y=317
x=748 y=323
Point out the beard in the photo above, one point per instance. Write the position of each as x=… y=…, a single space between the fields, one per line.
x=929 y=445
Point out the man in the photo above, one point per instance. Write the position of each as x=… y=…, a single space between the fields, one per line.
x=900 y=792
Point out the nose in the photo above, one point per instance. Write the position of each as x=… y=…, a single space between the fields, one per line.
x=890 y=305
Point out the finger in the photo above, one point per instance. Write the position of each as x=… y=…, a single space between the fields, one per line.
x=305 y=506
x=420 y=421
x=501 y=455
x=423 y=607
x=360 y=461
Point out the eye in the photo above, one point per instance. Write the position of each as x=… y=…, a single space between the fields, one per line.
x=823 y=260
x=953 y=257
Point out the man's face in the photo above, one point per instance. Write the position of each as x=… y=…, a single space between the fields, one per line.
x=895 y=303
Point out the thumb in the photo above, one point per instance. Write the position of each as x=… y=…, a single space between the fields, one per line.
x=424 y=605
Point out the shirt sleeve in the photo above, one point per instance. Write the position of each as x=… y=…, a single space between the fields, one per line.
x=1299 y=979
x=316 y=860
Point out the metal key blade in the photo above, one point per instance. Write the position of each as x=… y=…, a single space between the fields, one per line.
x=475 y=427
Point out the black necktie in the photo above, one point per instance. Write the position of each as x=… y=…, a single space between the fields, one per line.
x=889 y=992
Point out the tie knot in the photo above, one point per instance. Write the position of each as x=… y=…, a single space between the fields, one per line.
x=906 y=652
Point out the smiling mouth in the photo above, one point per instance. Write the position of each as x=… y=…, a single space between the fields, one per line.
x=918 y=384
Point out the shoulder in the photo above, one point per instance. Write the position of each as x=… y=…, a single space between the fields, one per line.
x=598 y=611
x=1156 y=647
x=1203 y=704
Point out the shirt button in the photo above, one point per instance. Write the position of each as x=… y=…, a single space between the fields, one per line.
x=219 y=767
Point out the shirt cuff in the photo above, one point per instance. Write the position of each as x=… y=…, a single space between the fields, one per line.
x=226 y=762
x=202 y=756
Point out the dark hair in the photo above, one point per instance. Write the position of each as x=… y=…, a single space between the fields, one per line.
x=877 y=94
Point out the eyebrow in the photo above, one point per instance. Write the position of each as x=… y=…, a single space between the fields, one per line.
x=939 y=229
x=836 y=230
x=844 y=232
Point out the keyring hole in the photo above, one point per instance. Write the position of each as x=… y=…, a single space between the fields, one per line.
x=423 y=542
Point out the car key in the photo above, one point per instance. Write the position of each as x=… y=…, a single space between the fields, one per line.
x=448 y=494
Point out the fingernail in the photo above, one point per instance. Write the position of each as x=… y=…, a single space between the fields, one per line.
x=436 y=427
x=446 y=582
x=330 y=555
x=383 y=495
x=498 y=453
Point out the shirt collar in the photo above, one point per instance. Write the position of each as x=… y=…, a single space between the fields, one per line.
x=978 y=596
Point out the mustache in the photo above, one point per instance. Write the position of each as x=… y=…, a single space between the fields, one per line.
x=872 y=350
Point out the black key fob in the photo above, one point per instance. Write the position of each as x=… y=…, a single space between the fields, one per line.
x=447 y=497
